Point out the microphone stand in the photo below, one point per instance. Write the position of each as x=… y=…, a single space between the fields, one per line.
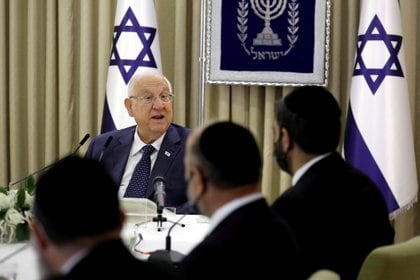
x=85 y=138
x=168 y=255
x=105 y=147
x=159 y=219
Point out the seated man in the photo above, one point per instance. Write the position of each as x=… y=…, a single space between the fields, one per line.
x=338 y=215
x=246 y=239
x=154 y=138
x=78 y=222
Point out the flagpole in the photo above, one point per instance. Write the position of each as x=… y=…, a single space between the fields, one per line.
x=202 y=60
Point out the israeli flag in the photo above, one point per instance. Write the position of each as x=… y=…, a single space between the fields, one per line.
x=379 y=139
x=135 y=47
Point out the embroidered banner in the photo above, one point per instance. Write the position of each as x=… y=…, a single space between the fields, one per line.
x=379 y=139
x=275 y=42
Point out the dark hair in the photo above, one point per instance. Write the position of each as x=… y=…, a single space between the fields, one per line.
x=76 y=198
x=228 y=155
x=312 y=117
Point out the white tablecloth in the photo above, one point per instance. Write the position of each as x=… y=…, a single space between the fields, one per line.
x=153 y=236
x=25 y=258
x=150 y=236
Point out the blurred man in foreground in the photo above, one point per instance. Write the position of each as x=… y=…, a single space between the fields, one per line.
x=78 y=222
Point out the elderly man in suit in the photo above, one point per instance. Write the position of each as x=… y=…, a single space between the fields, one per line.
x=149 y=102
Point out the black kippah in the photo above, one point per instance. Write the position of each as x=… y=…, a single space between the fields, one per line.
x=232 y=150
x=318 y=103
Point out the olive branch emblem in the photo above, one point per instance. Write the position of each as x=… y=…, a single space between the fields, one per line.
x=292 y=29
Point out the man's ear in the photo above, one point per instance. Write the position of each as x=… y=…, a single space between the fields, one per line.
x=276 y=132
x=38 y=232
x=286 y=141
x=201 y=181
x=128 y=105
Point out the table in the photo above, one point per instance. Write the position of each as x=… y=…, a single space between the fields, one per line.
x=144 y=238
x=153 y=236
x=24 y=256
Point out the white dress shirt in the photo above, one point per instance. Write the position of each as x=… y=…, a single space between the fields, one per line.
x=302 y=170
x=135 y=155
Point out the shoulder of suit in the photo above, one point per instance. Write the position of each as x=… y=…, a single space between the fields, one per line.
x=182 y=130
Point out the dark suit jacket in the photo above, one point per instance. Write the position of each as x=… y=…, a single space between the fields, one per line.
x=338 y=216
x=112 y=260
x=169 y=162
x=251 y=243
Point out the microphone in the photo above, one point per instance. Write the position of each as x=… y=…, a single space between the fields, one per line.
x=159 y=186
x=105 y=147
x=85 y=138
x=81 y=143
x=167 y=255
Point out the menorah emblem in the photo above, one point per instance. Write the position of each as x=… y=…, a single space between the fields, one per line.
x=268 y=10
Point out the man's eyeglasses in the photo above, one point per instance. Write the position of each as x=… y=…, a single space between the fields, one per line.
x=148 y=99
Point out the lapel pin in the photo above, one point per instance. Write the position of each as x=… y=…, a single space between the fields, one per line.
x=168 y=154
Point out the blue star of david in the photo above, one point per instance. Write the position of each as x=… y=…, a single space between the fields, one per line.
x=144 y=53
x=392 y=67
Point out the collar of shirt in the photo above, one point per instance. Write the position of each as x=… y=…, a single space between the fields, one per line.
x=220 y=214
x=302 y=170
x=134 y=157
x=138 y=144
x=73 y=260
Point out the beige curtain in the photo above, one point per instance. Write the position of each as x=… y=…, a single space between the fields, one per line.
x=53 y=65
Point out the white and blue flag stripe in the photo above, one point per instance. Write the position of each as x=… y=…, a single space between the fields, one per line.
x=135 y=47
x=378 y=138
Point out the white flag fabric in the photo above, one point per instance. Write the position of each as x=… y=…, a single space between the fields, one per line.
x=378 y=138
x=135 y=47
